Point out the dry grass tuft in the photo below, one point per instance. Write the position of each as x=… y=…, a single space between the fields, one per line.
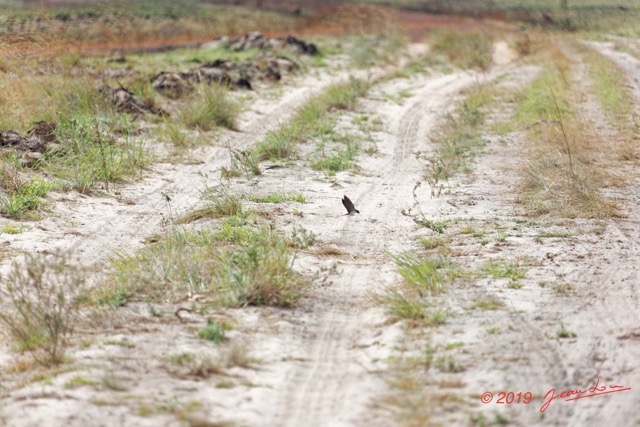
x=216 y=206
x=465 y=49
x=43 y=297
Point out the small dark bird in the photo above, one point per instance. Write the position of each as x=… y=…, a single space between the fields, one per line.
x=349 y=205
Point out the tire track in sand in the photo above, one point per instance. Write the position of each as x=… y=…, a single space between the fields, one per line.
x=324 y=390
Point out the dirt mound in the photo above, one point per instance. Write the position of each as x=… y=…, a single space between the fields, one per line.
x=38 y=140
x=301 y=47
x=256 y=40
x=252 y=40
x=127 y=102
x=171 y=84
x=220 y=72
x=22 y=143
x=44 y=131
x=239 y=75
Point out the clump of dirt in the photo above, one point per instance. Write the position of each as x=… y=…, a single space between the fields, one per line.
x=127 y=102
x=239 y=75
x=171 y=84
x=301 y=47
x=40 y=139
x=45 y=131
x=252 y=40
x=256 y=40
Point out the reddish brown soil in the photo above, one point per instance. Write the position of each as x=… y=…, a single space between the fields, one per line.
x=415 y=24
x=325 y=20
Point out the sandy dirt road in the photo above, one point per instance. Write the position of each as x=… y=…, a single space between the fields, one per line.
x=318 y=363
x=329 y=361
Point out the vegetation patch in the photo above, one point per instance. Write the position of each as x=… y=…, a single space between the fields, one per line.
x=210 y=107
x=465 y=49
x=373 y=49
x=338 y=161
x=312 y=120
x=287 y=196
x=343 y=96
x=456 y=139
x=217 y=205
x=563 y=332
x=488 y=303
x=503 y=268
x=610 y=88
x=79 y=381
x=214 y=331
x=235 y=265
x=25 y=200
x=91 y=154
x=423 y=277
x=243 y=162
x=42 y=297
x=561 y=177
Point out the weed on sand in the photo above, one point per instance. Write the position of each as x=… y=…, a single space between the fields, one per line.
x=470 y=49
x=42 y=297
x=287 y=196
x=423 y=277
x=90 y=154
x=235 y=265
x=456 y=139
x=217 y=205
x=209 y=107
x=24 y=201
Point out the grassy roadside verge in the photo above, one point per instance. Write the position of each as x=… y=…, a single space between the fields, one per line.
x=87 y=143
x=233 y=266
x=568 y=159
x=464 y=49
x=610 y=84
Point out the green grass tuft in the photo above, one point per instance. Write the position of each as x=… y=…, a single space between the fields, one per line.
x=216 y=206
x=26 y=200
x=339 y=161
x=214 y=332
x=425 y=275
x=210 y=107
x=343 y=96
x=90 y=154
x=276 y=197
x=507 y=269
x=457 y=139
x=312 y=120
